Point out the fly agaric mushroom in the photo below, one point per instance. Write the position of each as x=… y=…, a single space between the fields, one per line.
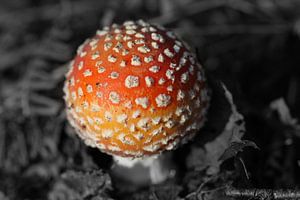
x=135 y=90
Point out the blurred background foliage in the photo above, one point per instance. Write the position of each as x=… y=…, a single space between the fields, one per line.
x=252 y=46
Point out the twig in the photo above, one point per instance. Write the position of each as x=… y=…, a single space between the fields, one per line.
x=244 y=167
x=196 y=192
x=263 y=193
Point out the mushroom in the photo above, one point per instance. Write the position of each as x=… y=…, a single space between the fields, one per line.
x=134 y=91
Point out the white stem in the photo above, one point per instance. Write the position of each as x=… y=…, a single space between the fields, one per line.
x=153 y=169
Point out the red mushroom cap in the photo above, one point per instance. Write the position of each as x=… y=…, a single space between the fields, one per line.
x=135 y=90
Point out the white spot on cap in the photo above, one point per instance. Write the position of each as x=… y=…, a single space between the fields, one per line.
x=128 y=104
x=130 y=44
x=179 y=111
x=119 y=36
x=101 y=32
x=139 y=35
x=136 y=114
x=167 y=117
x=139 y=41
x=135 y=60
x=99 y=94
x=178 y=43
x=126 y=38
x=95 y=107
x=80 y=65
x=123 y=63
x=117 y=30
x=131 y=81
x=90 y=120
x=122 y=118
x=114 y=97
x=107 y=46
x=168 y=53
x=95 y=55
x=170 y=88
x=98 y=120
x=143 y=124
x=107 y=133
x=148 y=59
x=156 y=120
x=152 y=109
x=111 y=59
x=72 y=81
x=157 y=131
x=108 y=37
x=73 y=95
x=125 y=139
x=182 y=62
x=184 y=77
x=98 y=63
x=160 y=58
x=152 y=29
x=128 y=23
x=180 y=95
x=156 y=36
x=89 y=88
x=118 y=47
x=82 y=54
x=176 y=48
x=71 y=68
x=114 y=75
x=163 y=100
x=161 y=81
x=183 y=118
x=170 y=74
x=152 y=147
x=192 y=59
x=108 y=116
x=132 y=128
x=155 y=45
x=130 y=32
x=139 y=136
x=78 y=109
x=101 y=69
x=113 y=148
x=149 y=81
x=142 y=101
x=145 y=29
x=170 y=124
x=192 y=94
x=125 y=52
x=154 y=69
x=143 y=49
x=85 y=104
x=173 y=65
x=87 y=73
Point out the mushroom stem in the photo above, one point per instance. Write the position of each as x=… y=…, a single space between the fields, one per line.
x=143 y=171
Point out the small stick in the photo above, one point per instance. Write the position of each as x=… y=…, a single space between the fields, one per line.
x=263 y=193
